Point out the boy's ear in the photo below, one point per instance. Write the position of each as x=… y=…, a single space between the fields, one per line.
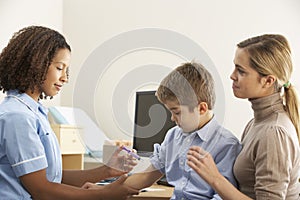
x=269 y=81
x=202 y=107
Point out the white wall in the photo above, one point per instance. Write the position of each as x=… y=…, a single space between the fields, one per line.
x=15 y=14
x=94 y=28
x=216 y=26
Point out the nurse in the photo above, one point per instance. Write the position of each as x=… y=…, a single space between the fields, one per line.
x=33 y=66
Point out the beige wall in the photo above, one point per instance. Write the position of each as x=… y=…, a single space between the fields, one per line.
x=214 y=25
x=15 y=14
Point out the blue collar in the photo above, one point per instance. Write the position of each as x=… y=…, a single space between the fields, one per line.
x=206 y=132
x=29 y=101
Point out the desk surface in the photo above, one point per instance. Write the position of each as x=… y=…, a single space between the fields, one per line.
x=159 y=192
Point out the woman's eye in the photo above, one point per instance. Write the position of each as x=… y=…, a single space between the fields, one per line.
x=241 y=71
x=59 y=68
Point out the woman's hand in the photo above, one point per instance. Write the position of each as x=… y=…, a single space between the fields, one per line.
x=113 y=191
x=121 y=162
x=203 y=164
x=89 y=185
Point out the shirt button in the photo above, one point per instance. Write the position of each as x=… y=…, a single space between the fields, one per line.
x=181 y=162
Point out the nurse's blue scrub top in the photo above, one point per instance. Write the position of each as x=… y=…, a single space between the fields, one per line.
x=28 y=144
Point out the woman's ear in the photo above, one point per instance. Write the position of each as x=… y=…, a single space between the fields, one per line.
x=202 y=107
x=269 y=81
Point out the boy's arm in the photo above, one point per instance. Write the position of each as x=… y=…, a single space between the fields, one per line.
x=225 y=161
x=144 y=179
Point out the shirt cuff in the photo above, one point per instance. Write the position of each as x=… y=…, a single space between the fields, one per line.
x=30 y=165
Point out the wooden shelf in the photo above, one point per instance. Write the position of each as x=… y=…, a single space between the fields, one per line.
x=71 y=146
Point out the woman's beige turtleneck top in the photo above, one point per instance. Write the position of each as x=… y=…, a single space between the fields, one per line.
x=268 y=166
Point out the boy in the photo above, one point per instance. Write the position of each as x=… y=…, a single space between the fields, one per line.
x=188 y=93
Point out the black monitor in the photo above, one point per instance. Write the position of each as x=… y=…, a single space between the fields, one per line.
x=151 y=122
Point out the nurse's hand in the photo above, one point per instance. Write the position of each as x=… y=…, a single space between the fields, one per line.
x=121 y=162
x=203 y=164
x=116 y=190
x=89 y=185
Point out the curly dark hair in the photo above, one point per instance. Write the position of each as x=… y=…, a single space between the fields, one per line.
x=24 y=62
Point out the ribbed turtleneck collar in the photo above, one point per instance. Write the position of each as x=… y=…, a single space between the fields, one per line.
x=265 y=106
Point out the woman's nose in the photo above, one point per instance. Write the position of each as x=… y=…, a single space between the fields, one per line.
x=64 y=77
x=232 y=76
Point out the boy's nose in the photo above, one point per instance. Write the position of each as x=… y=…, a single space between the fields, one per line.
x=173 y=118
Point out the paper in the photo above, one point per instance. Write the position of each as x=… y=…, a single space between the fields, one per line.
x=151 y=189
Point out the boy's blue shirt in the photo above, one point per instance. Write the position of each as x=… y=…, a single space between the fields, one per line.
x=171 y=159
x=28 y=144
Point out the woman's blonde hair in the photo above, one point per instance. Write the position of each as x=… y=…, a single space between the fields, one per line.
x=270 y=54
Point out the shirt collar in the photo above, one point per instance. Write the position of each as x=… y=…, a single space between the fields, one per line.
x=35 y=106
x=206 y=132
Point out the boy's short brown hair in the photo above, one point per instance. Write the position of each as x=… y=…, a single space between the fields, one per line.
x=188 y=84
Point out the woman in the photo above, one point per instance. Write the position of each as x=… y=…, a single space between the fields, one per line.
x=34 y=65
x=269 y=163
